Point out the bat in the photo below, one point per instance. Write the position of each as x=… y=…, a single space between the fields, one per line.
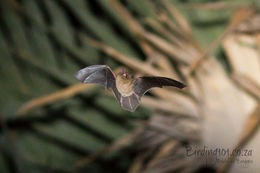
x=127 y=90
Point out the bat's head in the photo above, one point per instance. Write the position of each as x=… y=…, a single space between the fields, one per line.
x=124 y=74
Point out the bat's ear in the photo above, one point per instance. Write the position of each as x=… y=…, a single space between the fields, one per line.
x=122 y=69
x=118 y=70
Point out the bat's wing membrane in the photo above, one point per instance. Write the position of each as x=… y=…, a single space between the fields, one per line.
x=99 y=74
x=143 y=84
x=130 y=103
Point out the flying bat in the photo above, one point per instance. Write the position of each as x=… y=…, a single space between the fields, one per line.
x=127 y=90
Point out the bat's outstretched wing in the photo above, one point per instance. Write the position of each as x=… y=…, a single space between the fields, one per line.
x=99 y=74
x=143 y=84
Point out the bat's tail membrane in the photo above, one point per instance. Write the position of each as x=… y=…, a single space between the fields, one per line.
x=130 y=103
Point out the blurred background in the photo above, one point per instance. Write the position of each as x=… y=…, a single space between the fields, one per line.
x=52 y=123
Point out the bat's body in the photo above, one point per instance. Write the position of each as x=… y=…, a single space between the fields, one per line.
x=124 y=86
x=128 y=91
